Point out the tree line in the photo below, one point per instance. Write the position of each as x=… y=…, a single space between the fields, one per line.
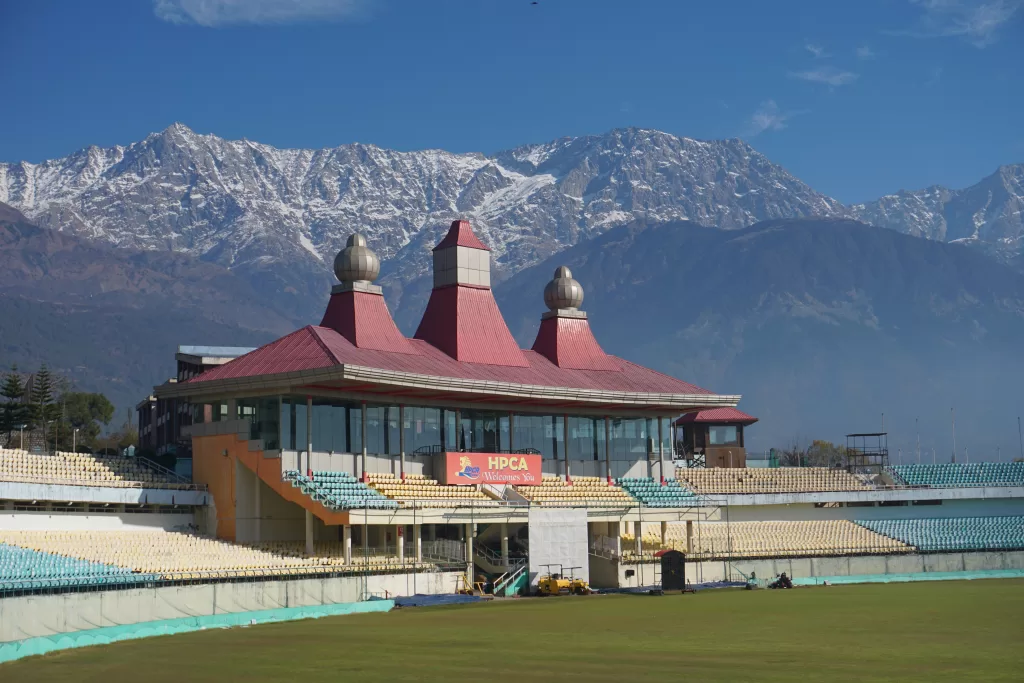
x=45 y=403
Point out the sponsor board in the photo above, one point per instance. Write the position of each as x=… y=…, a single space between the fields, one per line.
x=468 y=469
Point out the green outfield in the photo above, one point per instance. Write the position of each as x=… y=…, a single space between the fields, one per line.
x=939 y=631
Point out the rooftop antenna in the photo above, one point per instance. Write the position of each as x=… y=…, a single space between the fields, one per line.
x=967 y=455
x=1021 y=438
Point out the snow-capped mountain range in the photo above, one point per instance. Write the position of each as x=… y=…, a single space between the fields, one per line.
x=252 y=207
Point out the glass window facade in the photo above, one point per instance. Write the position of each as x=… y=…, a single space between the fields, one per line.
x=541 y=432
x=336 y=426
x=484 y=431
x=586 y=438
x=629 y=438
x=723 y=435
x=423 y=430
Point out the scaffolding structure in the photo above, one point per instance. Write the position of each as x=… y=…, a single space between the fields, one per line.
x=867 y=453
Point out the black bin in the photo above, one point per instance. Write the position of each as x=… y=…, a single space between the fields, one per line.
x=673 y=570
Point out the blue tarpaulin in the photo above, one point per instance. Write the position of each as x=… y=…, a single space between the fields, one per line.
x=431 y=600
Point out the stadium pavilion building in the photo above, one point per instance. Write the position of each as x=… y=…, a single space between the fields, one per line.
x=350 y=426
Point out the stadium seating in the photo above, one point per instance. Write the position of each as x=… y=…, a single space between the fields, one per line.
x=769 y=539
x=959 y=474
x=589 y=491
x=339 y=490
x=82 y=469
x=769 y=480
x=25 y=569
x=332 y=554
x=955 y=533
x=416 y=489
x=653 y=494
x=168 y=555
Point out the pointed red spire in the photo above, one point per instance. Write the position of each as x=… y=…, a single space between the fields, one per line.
x=461 y=234
x=564 y=337
x=462 y=318
x=357 y=310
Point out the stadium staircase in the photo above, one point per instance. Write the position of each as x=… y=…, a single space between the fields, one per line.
x=514 y=580
x=269 y=471
x=488 y=560
x=339 y=490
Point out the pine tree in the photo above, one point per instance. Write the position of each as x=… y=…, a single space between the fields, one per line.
x=43 y=409
x=13 y=411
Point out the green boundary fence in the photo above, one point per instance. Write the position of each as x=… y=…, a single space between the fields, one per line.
x=917 y=576
x=61 y=641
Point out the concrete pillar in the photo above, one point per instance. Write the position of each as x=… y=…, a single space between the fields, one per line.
x=400 y=541
x=347 y=541
x=257 y=510
x=608 y=448
x=232 y=409
x=637 y=535
x=363 y=466
x=689 y=536
x=650 y=447
x=469 y=551
x=309 y=532
x=401 y=440
x=504 y=543
x=664 y=534
x=565 y=446
x=615 y=531
x=661 y=450
x=309 y=434
x=417 y=534
x=431 y=532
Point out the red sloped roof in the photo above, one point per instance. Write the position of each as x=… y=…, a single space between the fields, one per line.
x=465 y=323
x=570 y=343
x=300 y=350
x=318 y=347
x=363 y=319
x=461 y=235
x=717 y=415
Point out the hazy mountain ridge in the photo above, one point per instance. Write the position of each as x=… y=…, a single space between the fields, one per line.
x=820 y=324
x=988 y=214
x=111 y=318
x=278 y=216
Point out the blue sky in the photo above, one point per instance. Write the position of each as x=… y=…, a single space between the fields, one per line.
x=856 y=98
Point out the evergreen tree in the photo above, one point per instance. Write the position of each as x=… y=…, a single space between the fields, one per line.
x=43 y=409
x=13 y=411
x=87 y=413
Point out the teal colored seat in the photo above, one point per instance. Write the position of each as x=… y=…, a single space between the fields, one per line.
x=955 y=533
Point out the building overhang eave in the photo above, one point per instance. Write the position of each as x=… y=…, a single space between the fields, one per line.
x=341 y=375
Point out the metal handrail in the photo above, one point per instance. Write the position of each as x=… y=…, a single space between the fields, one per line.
x=489 y=555
x=159 y=469
x=436 y=449
x=109 y=484
x=510 y=576
x=630 y=556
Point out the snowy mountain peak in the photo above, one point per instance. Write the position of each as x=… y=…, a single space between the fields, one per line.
x=252 y=206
